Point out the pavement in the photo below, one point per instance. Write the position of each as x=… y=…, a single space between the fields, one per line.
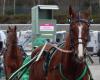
x=95 y=70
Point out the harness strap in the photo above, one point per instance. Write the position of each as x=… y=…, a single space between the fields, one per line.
x=49 y=57
x=79 y=78
x=62 y=75
x=83 y=73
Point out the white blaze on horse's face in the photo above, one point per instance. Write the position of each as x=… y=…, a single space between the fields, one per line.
x=80 y=45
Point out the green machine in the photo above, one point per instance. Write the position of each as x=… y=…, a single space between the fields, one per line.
x=43 y=24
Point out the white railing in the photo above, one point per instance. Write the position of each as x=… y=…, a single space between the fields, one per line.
x=29 y=26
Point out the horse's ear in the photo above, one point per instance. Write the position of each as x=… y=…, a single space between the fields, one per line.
x=9 y=28
x=87 y=13
x=71 y=12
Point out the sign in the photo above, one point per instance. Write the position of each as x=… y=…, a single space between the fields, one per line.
x=46 y=27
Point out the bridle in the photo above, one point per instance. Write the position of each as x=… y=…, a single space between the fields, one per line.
x=72 y=44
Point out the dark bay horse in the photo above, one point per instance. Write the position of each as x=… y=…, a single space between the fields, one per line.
x=69 y=62
x=13 y=56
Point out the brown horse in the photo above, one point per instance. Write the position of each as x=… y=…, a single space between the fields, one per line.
x=13 y=56
x=37 y=67
x=64 y=65
x=72 y=66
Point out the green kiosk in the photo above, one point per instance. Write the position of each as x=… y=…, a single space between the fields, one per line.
x=43 y=24
x=43 y=28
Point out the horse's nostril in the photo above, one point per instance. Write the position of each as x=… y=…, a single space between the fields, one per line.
x=81 y=58
x=75 y=55
x=84 y=55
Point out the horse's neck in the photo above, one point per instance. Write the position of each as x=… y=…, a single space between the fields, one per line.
x=67 y=57
x=68 y=62
x=12 y=44
x=67 y=44
x=12 y=49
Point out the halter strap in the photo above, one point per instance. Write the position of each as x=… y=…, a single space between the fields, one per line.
x=80 y=20
x=71 y=32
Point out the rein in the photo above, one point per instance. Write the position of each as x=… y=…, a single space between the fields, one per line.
x=36 y=58
x=60 y=49
x=23 y=67
x=33 y=60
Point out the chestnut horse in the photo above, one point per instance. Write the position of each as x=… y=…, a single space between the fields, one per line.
x=69 y=62
x=13 y=56
x=37 y=67
x=73 y=66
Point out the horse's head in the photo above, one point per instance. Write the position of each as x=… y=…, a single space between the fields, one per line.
x=79 y=32
x=11 y=35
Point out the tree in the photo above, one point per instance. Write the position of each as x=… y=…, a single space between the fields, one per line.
x=4 y=7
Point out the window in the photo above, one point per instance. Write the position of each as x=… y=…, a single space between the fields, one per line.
x=1 y=45
x=99 y=37
x=89 y=37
